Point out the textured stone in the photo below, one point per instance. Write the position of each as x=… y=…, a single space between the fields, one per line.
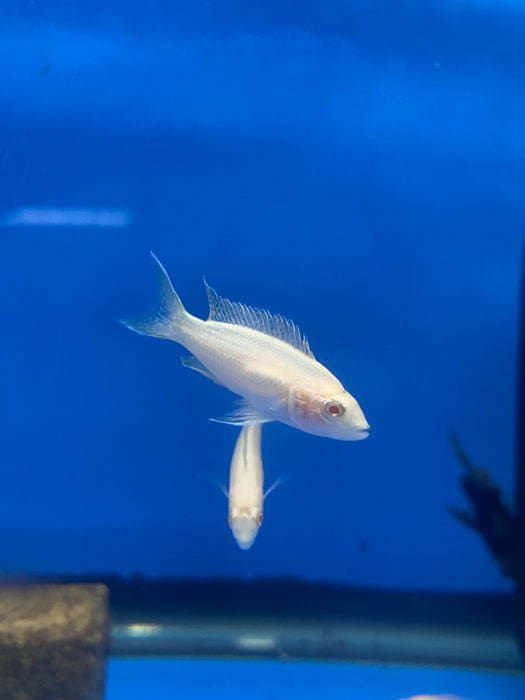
x=53 y=642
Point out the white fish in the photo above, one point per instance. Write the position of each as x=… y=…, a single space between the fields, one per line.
x=262 y=357
x=433 y=697
x=245 y=495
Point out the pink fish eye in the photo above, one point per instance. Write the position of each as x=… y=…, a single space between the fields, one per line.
x=259 y=519
x=333 y=409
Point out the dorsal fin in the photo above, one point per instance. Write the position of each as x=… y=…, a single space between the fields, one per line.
x=278 y=326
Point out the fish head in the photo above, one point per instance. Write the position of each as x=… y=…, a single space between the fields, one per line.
x=245 y=524
x=337 y=416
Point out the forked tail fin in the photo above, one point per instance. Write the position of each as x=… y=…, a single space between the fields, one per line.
x=165 y=318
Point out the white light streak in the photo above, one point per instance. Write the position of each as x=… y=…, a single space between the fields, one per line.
x=55 y=216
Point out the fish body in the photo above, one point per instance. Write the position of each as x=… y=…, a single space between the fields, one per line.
x=433 y=697
x=245 y=493
x=261 y=357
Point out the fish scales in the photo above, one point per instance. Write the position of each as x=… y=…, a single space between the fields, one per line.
x=242 y=357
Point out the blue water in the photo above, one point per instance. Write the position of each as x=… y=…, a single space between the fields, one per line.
x=357 y=167
x=163 y=679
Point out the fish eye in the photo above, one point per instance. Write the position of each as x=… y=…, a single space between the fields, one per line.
x=230 y=520
x=333 y=409
x=259 y=519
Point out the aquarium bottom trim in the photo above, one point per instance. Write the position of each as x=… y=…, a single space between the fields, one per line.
x=358 y=642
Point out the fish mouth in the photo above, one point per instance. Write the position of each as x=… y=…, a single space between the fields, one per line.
x=362 y=433
x=244 y=530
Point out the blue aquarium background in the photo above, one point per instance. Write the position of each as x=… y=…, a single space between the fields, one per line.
x=355 y=166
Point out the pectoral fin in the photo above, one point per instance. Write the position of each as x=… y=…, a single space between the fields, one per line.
x=245 y=414
x=193 y=363
x=275 y=484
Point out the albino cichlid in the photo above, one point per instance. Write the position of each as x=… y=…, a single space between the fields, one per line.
x=245 y=494
x=433 y=697
x=260 y=356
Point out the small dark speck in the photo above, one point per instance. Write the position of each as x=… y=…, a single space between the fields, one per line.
x=45 y=69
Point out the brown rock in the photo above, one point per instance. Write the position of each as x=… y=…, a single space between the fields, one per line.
x=53 y=642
